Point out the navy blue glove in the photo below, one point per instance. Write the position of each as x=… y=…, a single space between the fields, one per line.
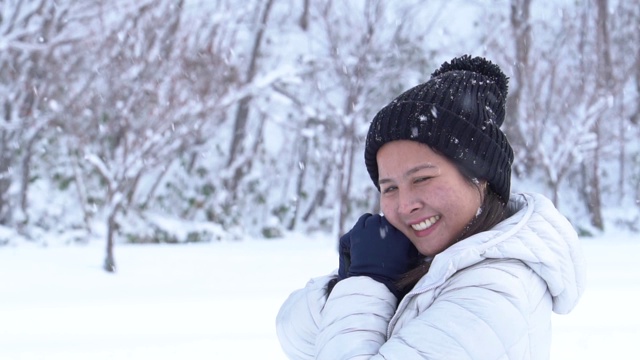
x=344 y=251
x=377 y=250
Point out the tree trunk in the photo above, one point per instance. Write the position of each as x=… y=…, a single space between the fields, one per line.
x=591 y=191
x=302 y=170
x=242 y=113
x=345 y=206
x=5 y=177
x=622 y=154
x=109 y=261
x=520 y=10
x=593 y=195
x=320 y=196
x=304 y=18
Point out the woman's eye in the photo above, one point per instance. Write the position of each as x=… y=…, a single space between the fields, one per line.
x=389 y=189
x=422 y=179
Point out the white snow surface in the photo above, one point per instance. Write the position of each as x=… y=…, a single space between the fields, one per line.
x=219 y=300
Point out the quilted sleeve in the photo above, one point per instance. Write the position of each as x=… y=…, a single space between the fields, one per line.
x=299 y=317
x=355 y=319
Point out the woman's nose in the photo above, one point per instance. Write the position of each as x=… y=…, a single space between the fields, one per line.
x=408 y=202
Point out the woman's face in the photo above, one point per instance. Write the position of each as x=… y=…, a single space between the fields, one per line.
x=424 y=195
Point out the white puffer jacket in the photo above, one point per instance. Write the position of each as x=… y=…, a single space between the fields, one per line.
x=489 y=296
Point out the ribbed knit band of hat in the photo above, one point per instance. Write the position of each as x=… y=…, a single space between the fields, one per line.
x=457 y=113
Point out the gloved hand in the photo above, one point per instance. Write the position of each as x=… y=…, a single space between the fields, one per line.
x=377 y=250
x=344 y=252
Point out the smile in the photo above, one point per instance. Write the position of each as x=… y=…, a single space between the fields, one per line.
x=426 y=224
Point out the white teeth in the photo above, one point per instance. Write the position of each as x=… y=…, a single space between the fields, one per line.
x=426 y=224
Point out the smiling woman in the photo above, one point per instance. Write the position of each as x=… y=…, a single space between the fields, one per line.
x=457 y=267
x=425 y=196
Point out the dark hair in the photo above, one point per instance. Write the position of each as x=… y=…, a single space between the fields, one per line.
x=492 y=211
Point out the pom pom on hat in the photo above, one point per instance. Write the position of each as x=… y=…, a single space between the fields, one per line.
x=458 y=113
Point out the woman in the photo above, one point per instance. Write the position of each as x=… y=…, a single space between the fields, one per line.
x=457 y=267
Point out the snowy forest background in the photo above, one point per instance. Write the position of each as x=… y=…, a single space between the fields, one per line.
x=120 y=119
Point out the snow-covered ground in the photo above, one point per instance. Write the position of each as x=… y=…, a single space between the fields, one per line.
x=219 y=300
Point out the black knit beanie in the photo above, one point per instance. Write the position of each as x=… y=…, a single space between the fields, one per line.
x=457 y=113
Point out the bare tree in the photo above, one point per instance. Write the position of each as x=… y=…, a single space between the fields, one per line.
x=553 y=113
x=521 y=27
x=142 y=117
x=37 y=36
x=591 y=170
x=242 y=112
x=357 y=59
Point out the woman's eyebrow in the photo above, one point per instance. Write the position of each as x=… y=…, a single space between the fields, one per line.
x=419 y=167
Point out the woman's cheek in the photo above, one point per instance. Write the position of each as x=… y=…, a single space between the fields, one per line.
x=390 y=216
